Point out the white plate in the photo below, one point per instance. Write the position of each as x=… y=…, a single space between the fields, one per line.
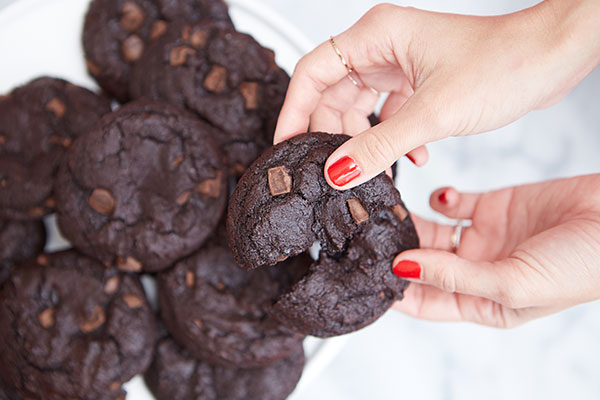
x=41 y=37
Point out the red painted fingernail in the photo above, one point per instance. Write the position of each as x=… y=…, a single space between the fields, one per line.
x=411 y=159
x=343 y=171
x=443 y=198
x=407 y=269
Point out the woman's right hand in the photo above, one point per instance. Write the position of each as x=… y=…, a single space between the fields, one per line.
x=449 y=75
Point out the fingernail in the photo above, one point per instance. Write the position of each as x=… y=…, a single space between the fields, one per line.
x=411 y=159
x=343 y=171
x=407 y=269
x=443 y=198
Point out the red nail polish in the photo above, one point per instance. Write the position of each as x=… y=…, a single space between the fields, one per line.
x=407 y=269
x=412 y=160
x=343 y=171
x=443 y=198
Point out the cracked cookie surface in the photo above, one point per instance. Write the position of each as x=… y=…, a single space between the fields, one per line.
x=38 y=122
x=220 y=312
x=116 y=33
x=72 y=328
x=20 y=240
x=175 y=374
x=144 y=189
x=224 y=76
x=282 y=205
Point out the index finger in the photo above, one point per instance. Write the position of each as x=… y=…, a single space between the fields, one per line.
x=315 y=72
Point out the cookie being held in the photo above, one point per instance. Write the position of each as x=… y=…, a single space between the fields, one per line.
x=143 y=189
x=282 y=205
x=72 y=328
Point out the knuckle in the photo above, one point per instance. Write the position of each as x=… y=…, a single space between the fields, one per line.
x=378 y=149
x=446 y=279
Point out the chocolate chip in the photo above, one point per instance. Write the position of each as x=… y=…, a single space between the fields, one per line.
x=177 y=161
x=199 y=38
x=111 y=285
x=2 y=139
x=178 y=55
x=57 y=107
x=50 y=202
x=61 y=141
x=358 y=212
x=94 y=322
x=102 y=201
x=220 y=286
x=250 y=92
x=93 y=68
x=3 y=182
x=129 y=264
x=159 y=27
x=183 y=198
x=114 y=386
x=133 y=301
x=132 y=48
x=280 y=182
x=46 y=318
x=210 y=187
x=216 y=79
x=400 y=212
x=133 y=16
x=190 y=278
x=42 y=260
x=36 y=212
x=185 y=33
x=198 y=323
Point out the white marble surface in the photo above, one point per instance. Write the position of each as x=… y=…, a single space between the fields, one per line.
x=557 y=357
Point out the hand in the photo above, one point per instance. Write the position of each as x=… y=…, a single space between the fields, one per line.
x=531 y=251
x=448 y=75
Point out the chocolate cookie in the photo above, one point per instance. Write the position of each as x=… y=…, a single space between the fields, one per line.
x=116 y=33
x=283 y=204
x=175 y=374
x=224 y=76
x=38 y=121
x=143 y=189
x=219 y=311
x=72 y=328
x=19 y=240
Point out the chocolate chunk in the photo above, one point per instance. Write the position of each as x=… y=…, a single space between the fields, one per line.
x=190 y=278
x=177 y=161
x=280 y=181
x=250 y=92
x=57 y=107
x=133 y=16
x=132 y=48
x=129 y=264
x=210 y=187
x=94 y=322
x=178 y=55
x=2 y=139
x=185 y=33
x=36 y=212
x=46 y=317
x=116 y=385
x=61 y=141
x=216 y=79
x=50 y=202
x=183 y=198
x=358 y=212
x=42 y=259
x=159 y=27
x=199 y=38
x=400 y=212
x=133 y=301
x=102 y=201
x=111 y=285
x=198 y=323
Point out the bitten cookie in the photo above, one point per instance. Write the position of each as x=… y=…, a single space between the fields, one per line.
x=219 y=311
x=282 y=205
x=116 y=33
x=19 y=240
x=143 y=189
x=175 y=374
x=224 y=76
x=38 y=121
x=72 y=328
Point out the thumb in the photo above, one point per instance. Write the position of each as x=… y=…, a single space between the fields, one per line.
x=497 y=281
x=372 y=151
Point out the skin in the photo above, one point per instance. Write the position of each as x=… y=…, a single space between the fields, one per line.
x=457 y=75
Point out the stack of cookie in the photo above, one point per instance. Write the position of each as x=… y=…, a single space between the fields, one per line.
x=142 y=187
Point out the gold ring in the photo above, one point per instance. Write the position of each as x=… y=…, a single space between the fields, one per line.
x=352 y=74
x=457 y=234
